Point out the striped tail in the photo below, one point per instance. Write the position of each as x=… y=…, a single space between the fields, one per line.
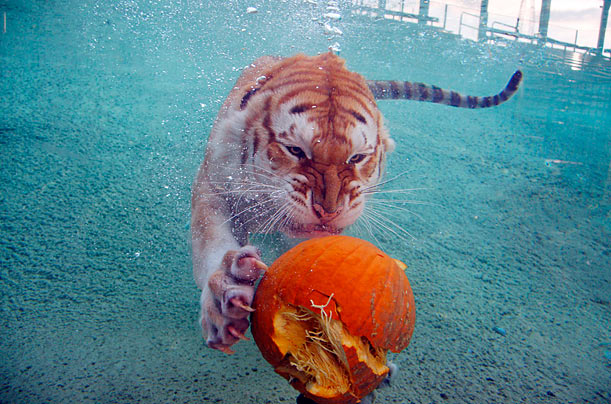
x=405 y=90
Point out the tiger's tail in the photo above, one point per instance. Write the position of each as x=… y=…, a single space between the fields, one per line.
x=405 y=90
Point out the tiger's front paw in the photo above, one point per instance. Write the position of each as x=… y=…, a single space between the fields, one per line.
x=228 y=296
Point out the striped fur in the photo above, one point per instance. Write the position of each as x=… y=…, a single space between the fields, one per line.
x=312 y=122
x=296 y=147
x=405 y=90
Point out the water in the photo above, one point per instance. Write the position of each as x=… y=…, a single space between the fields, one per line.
x=105 y=111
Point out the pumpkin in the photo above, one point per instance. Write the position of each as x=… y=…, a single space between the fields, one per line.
x=327 y=312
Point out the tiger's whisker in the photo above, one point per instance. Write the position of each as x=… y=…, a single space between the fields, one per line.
x=253 y=207
x=287 y=214
x=237 y=191
x=393 y=191
x=400 y=208
x=255 y=217
x=387 y=223
x=364 y=223
x=379 y=184
x=289 y=217
x=266 y=227
x=370 y=224
x=245 y=183
x=399 y=204
x=266 y=173
x=401 y=201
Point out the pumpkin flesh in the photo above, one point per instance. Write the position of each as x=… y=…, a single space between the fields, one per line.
x=319 y=354
x=327 y=312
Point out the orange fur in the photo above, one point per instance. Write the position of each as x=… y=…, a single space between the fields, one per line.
x=296 y=147
x=293 y=147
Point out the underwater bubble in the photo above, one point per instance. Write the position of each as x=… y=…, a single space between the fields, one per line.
x=335 y=47
x=332 y=16
x=330 y=30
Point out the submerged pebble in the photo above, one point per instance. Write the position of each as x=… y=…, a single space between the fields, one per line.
x=499 y=330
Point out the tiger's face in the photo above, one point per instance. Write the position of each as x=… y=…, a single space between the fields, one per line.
x=326 y=147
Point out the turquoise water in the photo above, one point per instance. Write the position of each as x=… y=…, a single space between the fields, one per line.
x=104 y=114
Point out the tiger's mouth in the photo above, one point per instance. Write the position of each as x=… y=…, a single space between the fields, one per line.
x=311 y=230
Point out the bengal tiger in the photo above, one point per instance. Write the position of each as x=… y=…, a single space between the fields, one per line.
x=295 y=147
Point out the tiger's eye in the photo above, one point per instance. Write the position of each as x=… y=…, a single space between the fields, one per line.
x=296 y=151
x=357 y=158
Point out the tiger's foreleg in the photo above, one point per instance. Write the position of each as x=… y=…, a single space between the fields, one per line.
x=224 y=270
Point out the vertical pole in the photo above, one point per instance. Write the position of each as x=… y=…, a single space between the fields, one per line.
x=576 y=34
x=603 y=26
x=423 y=12
x=544 y=19
x=483 y=21
x=445 y=16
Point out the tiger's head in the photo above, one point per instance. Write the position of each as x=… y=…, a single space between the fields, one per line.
x=320 y=133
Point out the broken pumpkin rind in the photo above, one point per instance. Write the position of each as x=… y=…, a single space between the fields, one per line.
x=338 y=278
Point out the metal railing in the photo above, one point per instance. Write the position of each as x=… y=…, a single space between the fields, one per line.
x=382 y=12
x=486 y=32
x=461 y=24
x=512 y=31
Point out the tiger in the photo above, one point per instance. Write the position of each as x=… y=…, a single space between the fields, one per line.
x=294 y=149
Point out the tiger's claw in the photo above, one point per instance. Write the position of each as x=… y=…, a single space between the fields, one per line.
x=238 y=303
x=226 y=301
x=233 y=331
x=224 y=349
x=261 y=266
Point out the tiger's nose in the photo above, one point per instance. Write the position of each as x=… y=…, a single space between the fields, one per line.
x=324 y=215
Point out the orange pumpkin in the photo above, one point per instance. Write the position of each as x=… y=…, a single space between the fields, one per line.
x=327 y=312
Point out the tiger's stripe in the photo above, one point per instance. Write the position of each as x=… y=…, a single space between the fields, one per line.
x=405 y=90
x=297 y=147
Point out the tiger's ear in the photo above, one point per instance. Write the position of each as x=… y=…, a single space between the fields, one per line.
x=384 y=136
x=389 y=145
